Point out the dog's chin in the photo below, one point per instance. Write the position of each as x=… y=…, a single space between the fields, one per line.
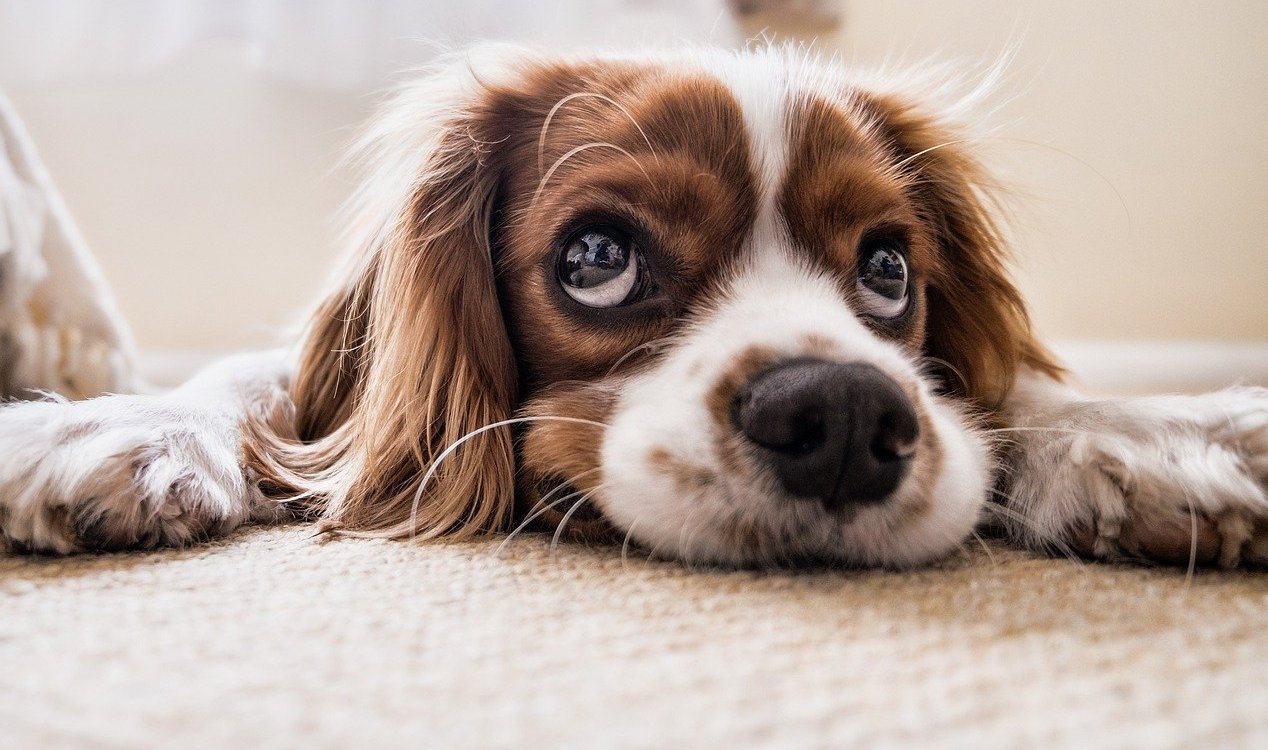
x=762 y=531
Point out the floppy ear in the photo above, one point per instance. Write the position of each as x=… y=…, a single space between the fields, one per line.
x=977 y=321
x=410 y=354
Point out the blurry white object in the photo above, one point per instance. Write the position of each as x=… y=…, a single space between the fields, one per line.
x=1120 y=367
x=344 y=44
x=822 y=13
x=59 y=327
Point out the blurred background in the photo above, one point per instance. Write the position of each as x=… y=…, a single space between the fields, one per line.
x=197 y=143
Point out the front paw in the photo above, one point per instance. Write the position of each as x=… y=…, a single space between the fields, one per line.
x=116 y=472
x=1171 y=478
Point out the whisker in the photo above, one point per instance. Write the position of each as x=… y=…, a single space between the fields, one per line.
x=559 y=530
x=1037 y=429
x=955 y=370
x=1059 y=545
x=435 y=464
x=538 y=508
x=645 y=345
x=573 y=152
x=1122 y=202
x=625 y=545
x=1066 y=430
x=985 y=548
x=541 y=139
x=689 y=529
x=1193 y=541
x=899 y=165
x=524 y=524
x=563 y=485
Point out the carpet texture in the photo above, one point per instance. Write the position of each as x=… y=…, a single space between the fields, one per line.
x=273 y=639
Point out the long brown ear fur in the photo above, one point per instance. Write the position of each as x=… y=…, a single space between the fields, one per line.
x=410 y=355
x=978 y=327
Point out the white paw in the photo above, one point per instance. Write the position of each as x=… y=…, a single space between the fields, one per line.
x=1168 y=478
x=117 y=472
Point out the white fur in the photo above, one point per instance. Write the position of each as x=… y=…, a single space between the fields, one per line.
x=1112 y=463
x=762 y=91
x=133 y=471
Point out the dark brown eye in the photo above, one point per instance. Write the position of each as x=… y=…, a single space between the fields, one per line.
x=883 y=279
x=600 y=267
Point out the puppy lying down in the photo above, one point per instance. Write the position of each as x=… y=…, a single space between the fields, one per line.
x=746 y=308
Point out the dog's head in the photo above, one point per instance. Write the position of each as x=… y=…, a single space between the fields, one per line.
x=739 y=303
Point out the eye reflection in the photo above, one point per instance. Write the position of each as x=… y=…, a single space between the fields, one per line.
x=883 y=281
x=600 y=267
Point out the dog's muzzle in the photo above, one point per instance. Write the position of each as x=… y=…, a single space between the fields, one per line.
x=841 y=434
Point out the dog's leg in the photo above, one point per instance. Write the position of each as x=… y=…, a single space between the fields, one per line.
x=1169 y=478
x=138 y=471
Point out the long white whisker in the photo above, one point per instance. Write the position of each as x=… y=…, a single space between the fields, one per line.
x=573 y=152
x=1035 y=429
x=1193 y=540
x=1061 y=546
x=563 y=485
x=524 y=524
x=550 y=116
x=624 y=357
x=1122 y=202
x=625 y=545
x=918 y=154
x=985 y=548
x=963 y=380
x=435 y=464
x=559 y=530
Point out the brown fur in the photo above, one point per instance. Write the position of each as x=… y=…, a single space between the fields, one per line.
x=977 y=320
x=404 y=361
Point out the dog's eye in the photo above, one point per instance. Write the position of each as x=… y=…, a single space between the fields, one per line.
x=883 y=283
x=600 y=267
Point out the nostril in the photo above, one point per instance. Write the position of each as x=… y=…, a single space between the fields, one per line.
x=895 y=439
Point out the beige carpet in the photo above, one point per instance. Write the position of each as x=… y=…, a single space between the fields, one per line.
x=271 y=639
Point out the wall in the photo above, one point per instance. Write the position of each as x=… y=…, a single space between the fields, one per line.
x=205 y=190
x=1136 y=144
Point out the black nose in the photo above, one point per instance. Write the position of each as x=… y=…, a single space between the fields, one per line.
x=839 y=433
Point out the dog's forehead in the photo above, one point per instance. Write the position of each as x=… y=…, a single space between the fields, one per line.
x=765 y=98
x=799 y=144
x=822 y=170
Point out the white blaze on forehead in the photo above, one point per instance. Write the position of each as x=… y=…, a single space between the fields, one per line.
x=762 y=90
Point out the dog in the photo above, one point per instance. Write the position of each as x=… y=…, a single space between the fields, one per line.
x=739 y=308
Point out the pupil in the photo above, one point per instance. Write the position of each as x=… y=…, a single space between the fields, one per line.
x=593 y=259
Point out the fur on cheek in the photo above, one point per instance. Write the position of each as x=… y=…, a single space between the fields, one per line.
x=561 y=468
